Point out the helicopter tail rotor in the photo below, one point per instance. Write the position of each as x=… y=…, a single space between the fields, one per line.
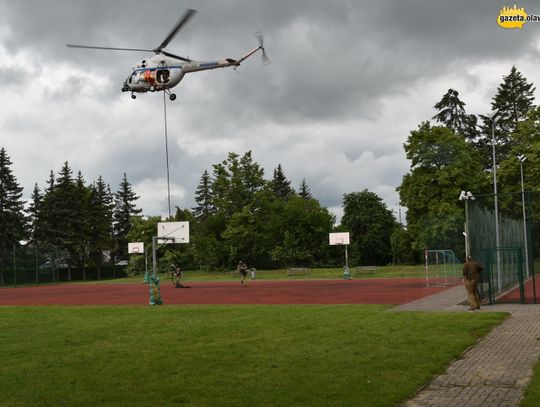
x=265 y=58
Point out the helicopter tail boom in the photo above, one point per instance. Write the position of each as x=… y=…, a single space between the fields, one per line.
x=250 y=53
x=195 y=66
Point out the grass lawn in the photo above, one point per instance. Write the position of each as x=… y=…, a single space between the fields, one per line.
x=347 y=355
x=532 y=394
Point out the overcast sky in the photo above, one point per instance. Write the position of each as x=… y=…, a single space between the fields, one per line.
x=349 y=80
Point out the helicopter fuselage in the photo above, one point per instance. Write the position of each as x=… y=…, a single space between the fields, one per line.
x=161 y=72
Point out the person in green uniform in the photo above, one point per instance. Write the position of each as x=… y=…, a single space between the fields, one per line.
x=471 y=274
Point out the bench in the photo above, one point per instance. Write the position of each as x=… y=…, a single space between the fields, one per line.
x=365 y=269
x=297 y=271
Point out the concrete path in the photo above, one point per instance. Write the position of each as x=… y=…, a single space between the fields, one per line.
x=494 y=372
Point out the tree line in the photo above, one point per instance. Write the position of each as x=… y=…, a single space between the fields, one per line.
x=82 y=224
x=239 y=214
x=267 y=223
x=455 y=154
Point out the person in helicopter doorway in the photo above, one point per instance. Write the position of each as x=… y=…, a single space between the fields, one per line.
x=471 y=275
x=242 y=269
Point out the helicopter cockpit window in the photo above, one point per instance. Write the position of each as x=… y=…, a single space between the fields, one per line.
x=162 y=75
x=134 y=78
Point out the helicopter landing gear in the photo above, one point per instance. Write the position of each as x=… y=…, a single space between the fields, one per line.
x=133 y=96
x=172 y=96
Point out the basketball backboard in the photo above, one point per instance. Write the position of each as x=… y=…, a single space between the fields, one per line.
x=136 y=247
x=339 y=238
x=173 y=232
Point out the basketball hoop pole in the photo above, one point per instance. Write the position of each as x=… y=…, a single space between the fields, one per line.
x=145 y=262
x=339 y=239
x=154 y=259
x=154 y=250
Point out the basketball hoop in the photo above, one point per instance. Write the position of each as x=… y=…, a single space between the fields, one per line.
x=135 y=247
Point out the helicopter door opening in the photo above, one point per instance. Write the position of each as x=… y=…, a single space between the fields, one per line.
x=162 y=75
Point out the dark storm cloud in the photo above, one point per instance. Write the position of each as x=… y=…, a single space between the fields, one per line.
x=330 y=58
x=335 y=66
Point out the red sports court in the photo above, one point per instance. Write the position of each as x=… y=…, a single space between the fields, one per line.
x=364 y=291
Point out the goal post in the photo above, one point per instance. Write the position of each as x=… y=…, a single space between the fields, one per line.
x=442 y=268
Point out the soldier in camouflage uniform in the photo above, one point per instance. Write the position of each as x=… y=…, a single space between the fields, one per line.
x=471 y=275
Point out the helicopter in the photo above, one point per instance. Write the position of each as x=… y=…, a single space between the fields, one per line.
x=165 y=70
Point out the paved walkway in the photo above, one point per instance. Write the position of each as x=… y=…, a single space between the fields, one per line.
x=494 y=372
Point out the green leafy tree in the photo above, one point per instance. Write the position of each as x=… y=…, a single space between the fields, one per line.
x=302 y=230
x=210 y=249
x=234 y=185
x=442 y=165
x=371 y=225
x=142 y=230
x=402 y=248
x=12 y=218
x=527 y=139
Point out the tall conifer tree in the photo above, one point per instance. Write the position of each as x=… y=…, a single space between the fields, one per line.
x=513 y=102
x=124 y=209
x=280 y=185
x=451 y=113
x=304 y=191
x=203 y=197
x=12 y=219
x=101 y=222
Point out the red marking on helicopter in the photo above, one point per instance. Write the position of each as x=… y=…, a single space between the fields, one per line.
x=149 y=76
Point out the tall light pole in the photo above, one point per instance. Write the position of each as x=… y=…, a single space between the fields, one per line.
x=494 y=118
x=465 y=196
x=522 y=158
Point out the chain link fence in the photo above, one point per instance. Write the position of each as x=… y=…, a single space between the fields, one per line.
x=27 y=265
x=508 y=251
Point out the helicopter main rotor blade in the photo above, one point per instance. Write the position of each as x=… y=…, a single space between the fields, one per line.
x=183 y=20
x=175 y=56
x=108 y=48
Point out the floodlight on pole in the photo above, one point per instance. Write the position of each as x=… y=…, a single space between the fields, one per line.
x=466 y=196
x=494 y=117
x=522 y=158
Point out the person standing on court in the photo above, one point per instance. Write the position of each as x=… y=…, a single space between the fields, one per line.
x=471 y=274
x=242 y=269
